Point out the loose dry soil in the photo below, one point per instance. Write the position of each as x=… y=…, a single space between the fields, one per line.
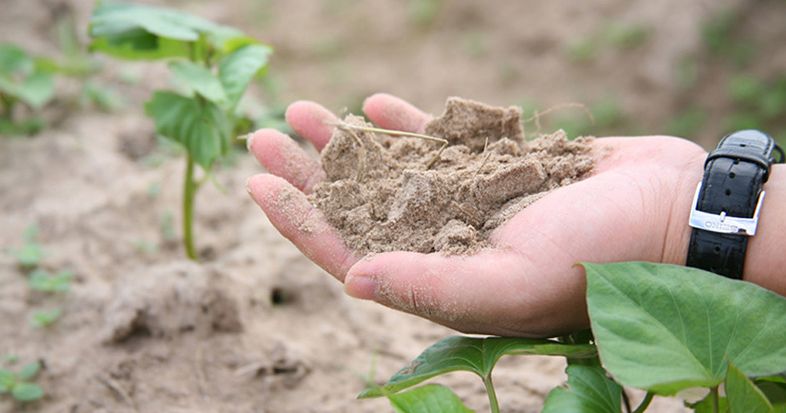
x=388 y=193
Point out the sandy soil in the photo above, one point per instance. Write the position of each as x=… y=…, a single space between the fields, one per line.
x=256 y=327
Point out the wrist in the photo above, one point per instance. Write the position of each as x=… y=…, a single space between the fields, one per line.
x=675 y=247
x=765 y=262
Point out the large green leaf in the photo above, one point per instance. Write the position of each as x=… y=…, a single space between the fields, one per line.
x=431 y=398
x=238 y=69
x=135 y=31
x=476 y=355
x=200 y=126
x=743 y=396
x=588 y=391
x=665 y=327
x=199 y=79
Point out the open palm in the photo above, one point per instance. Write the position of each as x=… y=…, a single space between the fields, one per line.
x=634 y=206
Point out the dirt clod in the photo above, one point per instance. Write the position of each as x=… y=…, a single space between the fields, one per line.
x=386 y=193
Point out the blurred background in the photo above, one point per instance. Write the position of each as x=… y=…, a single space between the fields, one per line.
x=695 y=68
x=255 y=326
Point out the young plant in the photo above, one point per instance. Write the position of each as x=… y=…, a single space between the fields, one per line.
x=659 y=328
x=45 y=318
x=212 y=64
x=24 y=81
x=19 y=384
x=44 y=281
x=30 y=254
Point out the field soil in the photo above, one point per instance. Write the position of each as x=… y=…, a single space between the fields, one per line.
x=255 y=327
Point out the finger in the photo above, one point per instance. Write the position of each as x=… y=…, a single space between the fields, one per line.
x=300 y=222
x=282 y=156
x=391 y=112
x=311 y=121
x=465 y=293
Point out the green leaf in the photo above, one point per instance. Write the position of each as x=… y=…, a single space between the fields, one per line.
x=476 y=355
x=27 y=392
x=589 y=390
x=743 y=395
x=238 y=69
x=14 y=59
x=200 y=126
x=41 y=280
x=199 y=79
x=774 y=388
x=29 y=371
x=45 y=318
x=431 y=398
x=36 y=90
x=29 y=255
x=7 y=380
x=706 y=405
x=134 y=31
x=665 y=328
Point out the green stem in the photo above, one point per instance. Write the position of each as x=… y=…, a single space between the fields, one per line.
x=189 y=193
x=493 y=403
x=715 y=399
x=644 y=403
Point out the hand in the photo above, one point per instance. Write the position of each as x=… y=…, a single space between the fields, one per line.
x=634 y=206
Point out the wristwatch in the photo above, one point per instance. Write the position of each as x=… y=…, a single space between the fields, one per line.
x=728 y=200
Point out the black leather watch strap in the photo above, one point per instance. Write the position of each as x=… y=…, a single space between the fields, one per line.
x=731 y=192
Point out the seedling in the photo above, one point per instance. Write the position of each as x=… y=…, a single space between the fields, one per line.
x=213 y=64
x=19 y=384
x=45 y=318
x=31 y=253
x=660 y=328
x=42 y=280
x=25 y=80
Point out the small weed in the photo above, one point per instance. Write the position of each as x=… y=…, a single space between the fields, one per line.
x=687 y=123
x=30 y=254
x=42 y=280
x=719 y=36
x=25 y=80
x=614 y=36
x=423 y=12
x=45 y=318
x=19 y=384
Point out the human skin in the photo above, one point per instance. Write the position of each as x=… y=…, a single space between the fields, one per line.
x=633 y=207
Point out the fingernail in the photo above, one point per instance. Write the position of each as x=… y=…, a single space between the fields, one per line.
x=249 y=140
x=360 y=286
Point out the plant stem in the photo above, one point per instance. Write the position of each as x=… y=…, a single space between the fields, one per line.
x=644 y=403
x=626 y=401
x=189 y=193
x=715 y=399
x=493 y=403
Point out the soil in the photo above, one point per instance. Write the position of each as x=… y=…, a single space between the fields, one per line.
x=388 y=193
x=255 y=327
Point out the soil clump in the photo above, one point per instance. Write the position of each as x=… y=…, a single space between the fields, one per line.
x=388 y=193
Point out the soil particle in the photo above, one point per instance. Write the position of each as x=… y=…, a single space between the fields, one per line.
x=386 y=193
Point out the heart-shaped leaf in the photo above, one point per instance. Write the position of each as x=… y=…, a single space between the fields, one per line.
x=476 y=355
x=200 y=126
x=665 y=328
x=238 y=69
x=431 y=398
x=135 y=31
x=743 y=396
x=588 y=391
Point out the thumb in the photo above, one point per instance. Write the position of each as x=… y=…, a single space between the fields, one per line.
x=467 y=293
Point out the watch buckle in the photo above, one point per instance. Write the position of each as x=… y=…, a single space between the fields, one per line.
x=723 y=223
